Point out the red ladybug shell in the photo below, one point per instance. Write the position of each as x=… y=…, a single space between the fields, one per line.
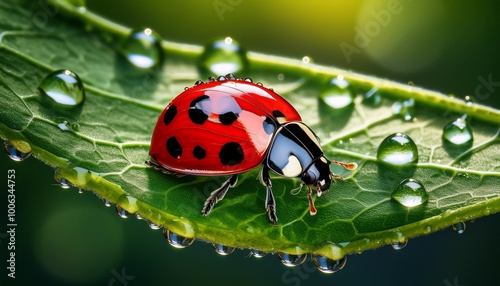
x=219 y=128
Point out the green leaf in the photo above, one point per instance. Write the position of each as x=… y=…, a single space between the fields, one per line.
x=106 y=153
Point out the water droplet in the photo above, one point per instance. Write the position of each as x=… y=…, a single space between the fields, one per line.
x=372 y=97
x=405 y=109
x=306 y=60
x=411 y=84
x=281 y=76
x=410 y=193
x=80 y=191
x=63 y=88
x=257 y=253
x=397 y=245
x=121 y=212
x=142 y=48
x=223 y=56
x=398 y=149
x=138 y=216
x=64 y=183
x=337 y=94
x=459 y=227
x=458 y=132
x=106 y=202
x=469 y=100
x=80 y=5
x=153 y=225
x=223 y=249
x=292 y=260
x=327 y=265
x=176 y=240
x=13 y=153
x=65 y=125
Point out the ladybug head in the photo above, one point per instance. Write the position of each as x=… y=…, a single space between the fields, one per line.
x=318 y=174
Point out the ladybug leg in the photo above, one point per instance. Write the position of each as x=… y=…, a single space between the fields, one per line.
x=218 y=194
x=155 y=165
x=312 y=208
x=270 y=202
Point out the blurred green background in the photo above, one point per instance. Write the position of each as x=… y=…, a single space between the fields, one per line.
x=64 y=238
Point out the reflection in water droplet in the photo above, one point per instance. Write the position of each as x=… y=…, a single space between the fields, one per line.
x=410 y=193
x=65 y=125
x=458 y=132
x=398 y=149
x=153 y=225
x=223 y=249
x=327 y=265
x=13 y=153
x=292 y=260
x=337 y=94
x=121 y=212
x=257 y=253
x=372 y=97
x=106 y=202
x=138 y=216
x=64 y=183
x=469 y=100
x=176 y=240
x=223 y=56
x=459 y=227
x=142 y=48
x=63 y=88
x=397 y=245
x=306 y=60
x=405 y=109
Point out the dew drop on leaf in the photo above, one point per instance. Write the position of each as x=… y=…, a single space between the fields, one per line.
x=459 y=227
x=257 y=253
x=398 y=149
x=64 y=183
x=410 y=193
x=142 y=48
x=153 y=225
x=405 y=109
x=337 y=93
x=223 y=56
x=327 y=265
x=13 y=153
x=176 y=240
x=372 y=97
x=307 y=60
x=121 y=212
x=458 y=132
x=63 y=88
x=223 y=249
x=292 y=260
x=106 y=202
x=66 y=125
x=397 y=245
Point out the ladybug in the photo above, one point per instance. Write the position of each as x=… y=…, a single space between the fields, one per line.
x=229 y=126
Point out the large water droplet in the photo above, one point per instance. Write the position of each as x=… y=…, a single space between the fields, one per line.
x=257 y=253
x=223 y=249
x=327 y=265
x=121 y=212
x=223 y=56
x=292 y=260
x=458 y=132
x=176 y=240
x=142 y=48
x=337 y=94
x=397 y=245
x=398 y=149
x=459 y=227
x=63 y=88
x=410 y=193
x=405 y=109
x=13 y=153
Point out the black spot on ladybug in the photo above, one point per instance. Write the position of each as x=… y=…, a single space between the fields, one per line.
x=173 y=147
x=269 y=125
x=231 y=154
x=195 y=112
x=199 y=153
x=170 y=114
x=277 y=114
x=228 y=118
